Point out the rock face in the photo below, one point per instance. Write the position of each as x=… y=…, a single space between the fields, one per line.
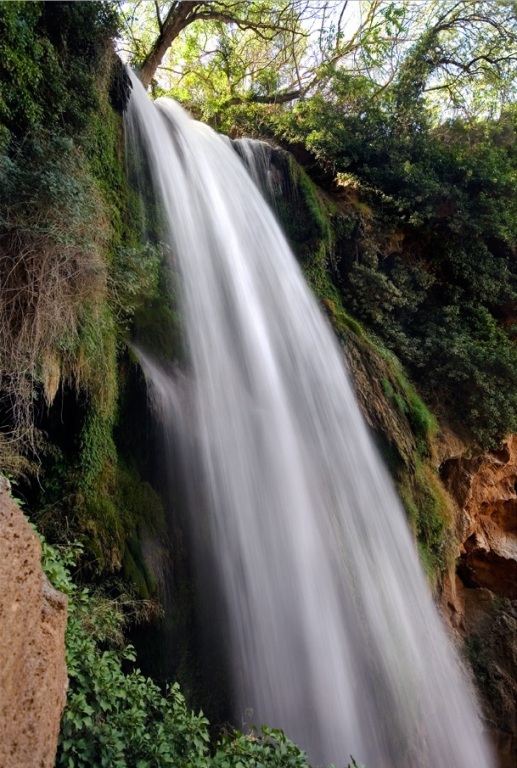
x=485 y=487
x=481 y=599
x=33 y=678
x=488 y=626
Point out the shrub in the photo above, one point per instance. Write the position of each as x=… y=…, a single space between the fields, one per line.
x=117 y=718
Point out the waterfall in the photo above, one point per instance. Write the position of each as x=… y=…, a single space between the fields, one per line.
x=333 y=633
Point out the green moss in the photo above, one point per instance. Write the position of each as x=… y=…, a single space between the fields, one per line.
x=430 y=514
x=311 y=221
x=311 y=198
x=424 y=498
x=406 y=399
x=141 y=503
x=341 y=320
x=156 y=324
x=141 y=509
x=97 y=450
x=135 y=573
x=100 y=529
x=303 y=211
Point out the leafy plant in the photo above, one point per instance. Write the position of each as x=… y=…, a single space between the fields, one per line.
x=117 y=718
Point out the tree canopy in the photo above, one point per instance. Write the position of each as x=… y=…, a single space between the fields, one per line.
x=458 y=54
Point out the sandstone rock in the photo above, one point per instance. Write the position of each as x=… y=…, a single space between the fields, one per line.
x=480 y=601
x=485 y=488
x=33 y=677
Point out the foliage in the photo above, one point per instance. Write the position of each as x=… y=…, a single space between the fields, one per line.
x=116 y=717
x=21 y=53
x=238 y=41
x=430 y=265
x=465 y=57
x=135 y=275
x=54 y=226
x=268 y=747
x=73 y=272
x=52 y=237
x=113 y=718
x=212 y=55
x=49 y=54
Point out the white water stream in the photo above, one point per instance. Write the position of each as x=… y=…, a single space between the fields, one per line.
x=334 y=635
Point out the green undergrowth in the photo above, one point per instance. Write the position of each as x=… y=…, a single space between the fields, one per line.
x=305 y=214
x=57 y=227
x=105 y=504
x=431 y=516
x=429 y=508
x=118 y=718
x=403 y=395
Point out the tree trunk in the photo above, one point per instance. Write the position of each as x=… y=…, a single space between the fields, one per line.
x=179 y=17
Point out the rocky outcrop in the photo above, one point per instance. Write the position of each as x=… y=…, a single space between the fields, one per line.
x=480 y=599
x=33 y=677
x=485 y=487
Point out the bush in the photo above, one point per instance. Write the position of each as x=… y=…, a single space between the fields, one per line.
x=117 y=718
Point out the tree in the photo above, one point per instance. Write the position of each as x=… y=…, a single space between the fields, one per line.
x=296 y=39
x=268 y=20
x=460 y=54
x=465 y=56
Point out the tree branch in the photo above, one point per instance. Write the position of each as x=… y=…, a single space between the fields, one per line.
x=246 y=23
x=185 y=12
x=158 y=16
x=282 y=97
x=179 y=16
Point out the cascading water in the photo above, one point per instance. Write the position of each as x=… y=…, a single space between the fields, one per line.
x=334 y=636
x=257 y=159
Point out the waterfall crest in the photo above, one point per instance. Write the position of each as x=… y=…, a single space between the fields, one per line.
x=334 y=636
